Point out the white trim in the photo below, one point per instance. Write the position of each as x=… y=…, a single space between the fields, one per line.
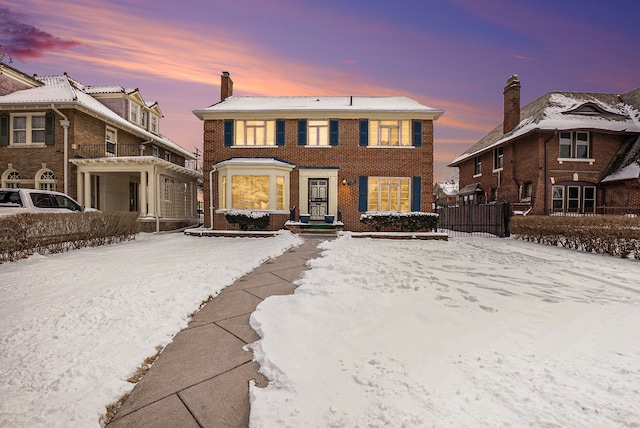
x=303 y=187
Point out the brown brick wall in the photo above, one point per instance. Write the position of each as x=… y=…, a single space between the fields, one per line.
x=352 y=160
x=524 y=161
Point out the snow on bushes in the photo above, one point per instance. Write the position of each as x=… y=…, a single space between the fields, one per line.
x=613 y=235
x=248 y=219
x=401 y=221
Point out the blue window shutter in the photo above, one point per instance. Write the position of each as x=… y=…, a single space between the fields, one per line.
x=228 y=133
x=417 y=133
x=280 y=132
x=363 y=193
x=416 y=190
x=333 y=132
x=49 y=126
x=364 y=132
x=4 y=130
x=302 y=132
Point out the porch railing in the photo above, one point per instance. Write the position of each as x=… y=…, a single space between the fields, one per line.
x=91 y=151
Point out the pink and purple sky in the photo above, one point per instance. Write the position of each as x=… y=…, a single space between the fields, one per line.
x=454 y=55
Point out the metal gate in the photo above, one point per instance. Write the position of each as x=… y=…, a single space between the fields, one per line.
x=492 y=219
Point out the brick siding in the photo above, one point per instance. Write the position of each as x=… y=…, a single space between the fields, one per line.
x=352 y=160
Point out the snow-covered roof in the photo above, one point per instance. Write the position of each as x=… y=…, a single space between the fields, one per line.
x=255 y=162
x=64 y=90
x=562 y=111
x=449 y=188
x=342 y=105
x=628 y=168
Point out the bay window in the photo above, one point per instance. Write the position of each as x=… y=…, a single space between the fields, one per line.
x=253 y=184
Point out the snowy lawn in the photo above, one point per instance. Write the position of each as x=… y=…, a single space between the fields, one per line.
x=463 y=333
x=75 y=326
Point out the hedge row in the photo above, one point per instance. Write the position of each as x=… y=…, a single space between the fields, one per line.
x=391 y=221
x=613 y=235
x=25 y=234
x=248 y=219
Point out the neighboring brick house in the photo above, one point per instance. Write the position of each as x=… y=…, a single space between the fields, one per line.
x=100 y=145
x=560 y=153
x=339 y=156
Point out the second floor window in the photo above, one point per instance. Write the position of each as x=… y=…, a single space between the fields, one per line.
x=254 y=133
x=498 y=158
x=477 y=165
x=575 y=145
x=28 y=129
x=110 y=139
x=389 y=133
x=135 y=111
x=318 y=133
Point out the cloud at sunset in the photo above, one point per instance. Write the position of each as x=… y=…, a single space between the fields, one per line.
x=453 y=55
x=21 y=40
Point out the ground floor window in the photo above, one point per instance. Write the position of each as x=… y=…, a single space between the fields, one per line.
x=389 y=194
x=11 y=179
x=250 y=192
x=46 y=180
x=246 y=184
x=573 y=198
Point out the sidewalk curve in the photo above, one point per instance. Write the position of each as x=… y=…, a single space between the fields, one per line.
x=201 y=379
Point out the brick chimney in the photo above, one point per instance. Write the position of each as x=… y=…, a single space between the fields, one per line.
x=226 y=86
x=511 y=104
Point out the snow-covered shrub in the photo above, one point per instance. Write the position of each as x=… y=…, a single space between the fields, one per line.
x=22 y=235
x=248 y=219
x=605 y=234
x=401 y=221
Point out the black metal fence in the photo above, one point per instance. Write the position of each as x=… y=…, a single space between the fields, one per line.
x=484 y=219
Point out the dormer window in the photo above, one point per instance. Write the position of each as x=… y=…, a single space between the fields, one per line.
x=135 y=113
x=154 y=124
x=144 y=119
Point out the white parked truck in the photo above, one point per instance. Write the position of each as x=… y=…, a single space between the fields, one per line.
x=16 y=201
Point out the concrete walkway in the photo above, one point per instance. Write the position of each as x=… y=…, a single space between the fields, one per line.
x=201 y=379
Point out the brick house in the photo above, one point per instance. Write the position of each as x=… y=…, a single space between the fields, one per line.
x=100 y=145
x=563 y=152
x=339 y=156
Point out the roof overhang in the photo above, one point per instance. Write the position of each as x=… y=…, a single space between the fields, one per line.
x=132 y=164
x=120 y=123
x=255 y=163
x=318 y=114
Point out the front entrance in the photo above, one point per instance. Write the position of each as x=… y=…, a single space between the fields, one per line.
x=318 y=198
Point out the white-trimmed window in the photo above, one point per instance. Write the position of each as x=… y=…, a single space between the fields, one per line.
x=255 y=133
x=11 y=179
x=111 y=141
x=46 y=180
x=154 y=124
x=578 y=198
x=390 y=133
x=167 y=155
x=155 y=151
x=144 y=119
x=262 y=186
x=498 y=158
x=389 y=194
x=575 y=145
x=318 y=133
x=477 y=165
x=134 y=113
x=28 y=129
